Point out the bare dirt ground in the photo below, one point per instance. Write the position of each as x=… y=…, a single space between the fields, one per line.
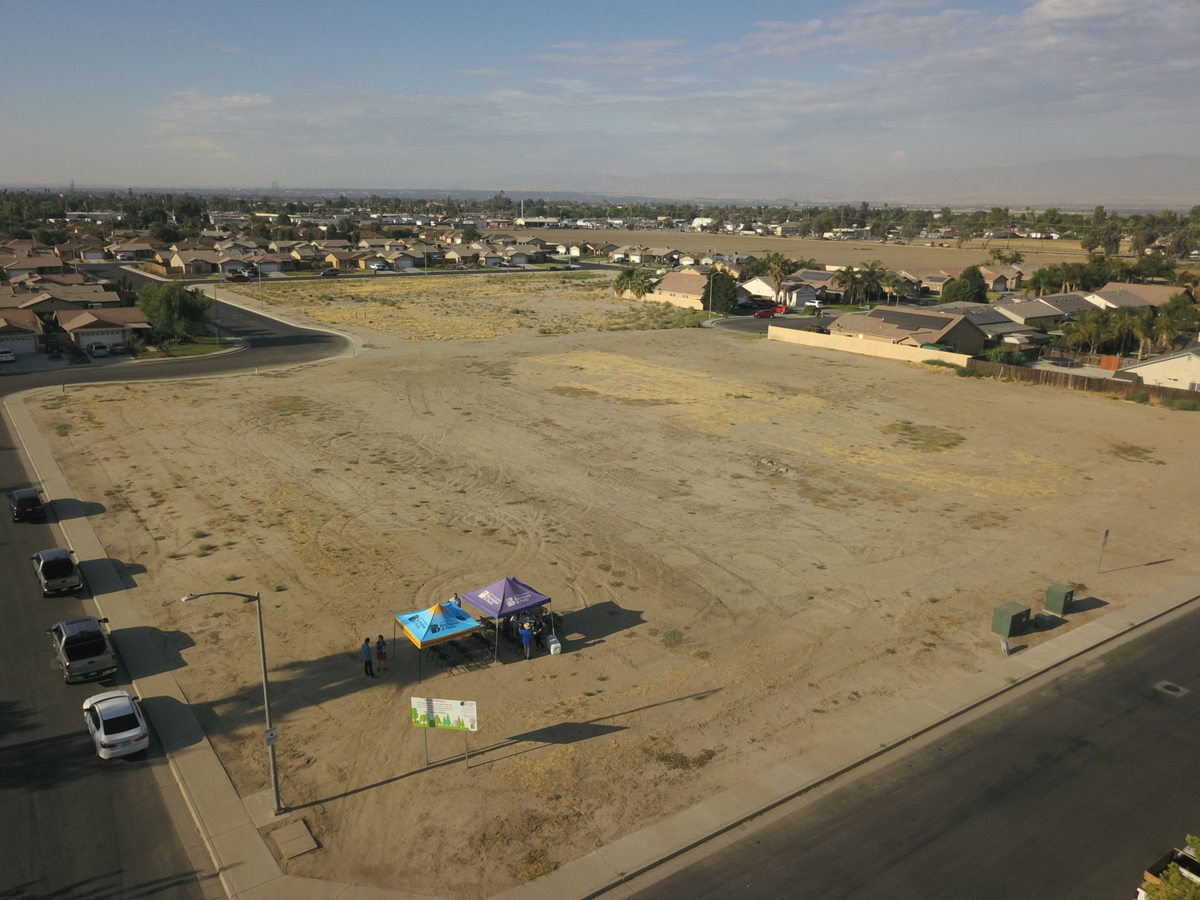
x=757 y=547
x=913 y=257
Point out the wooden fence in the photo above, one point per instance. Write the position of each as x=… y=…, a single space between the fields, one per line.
x=1075 y=382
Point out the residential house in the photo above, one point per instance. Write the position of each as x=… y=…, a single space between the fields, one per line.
x=1176 y=370
x=107 y=326
x=998 y=327
x=345 y=259
x=47 y=264
x=1115 y=298
x=1069 y=303
x=19 y=330
x=912 y=329
x=681 y=289
x=757 y=289
x=131 y=250
x=1154 y=294
x=275 y=262
x=1031 y=313
x=1001 y=278
x=194 y=262
x=935 y=282
x=462 y=257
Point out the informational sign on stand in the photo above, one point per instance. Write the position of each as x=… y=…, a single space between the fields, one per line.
x=272 y=736
x=451 y=715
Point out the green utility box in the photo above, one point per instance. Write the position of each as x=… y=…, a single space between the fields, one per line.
x=1058 y=598
x=1010 y=619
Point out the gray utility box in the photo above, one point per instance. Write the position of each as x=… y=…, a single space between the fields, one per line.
x=1010 y=619
x=1058 y=598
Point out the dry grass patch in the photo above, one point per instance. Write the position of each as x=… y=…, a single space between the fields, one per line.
x=926 y=438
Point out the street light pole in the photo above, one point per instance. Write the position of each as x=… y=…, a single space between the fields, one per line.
x=256 y=597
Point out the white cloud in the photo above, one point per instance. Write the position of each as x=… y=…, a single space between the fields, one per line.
x=951 y=85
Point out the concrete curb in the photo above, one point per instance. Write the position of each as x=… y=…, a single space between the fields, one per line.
x=243 y=862
x=248 y=869
x=609 y=867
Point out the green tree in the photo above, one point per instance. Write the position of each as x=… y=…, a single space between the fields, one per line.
x=893 y=286
x=720 y=294
x=1015 y=258
x=968 y=287
x=1174 y=884
x=174 y=311
x=470 y=234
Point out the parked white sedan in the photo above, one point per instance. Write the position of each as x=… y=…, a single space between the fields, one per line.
x=116 y=724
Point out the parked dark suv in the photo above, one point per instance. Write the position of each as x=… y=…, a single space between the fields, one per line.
x=82 y=649
x=26 y=505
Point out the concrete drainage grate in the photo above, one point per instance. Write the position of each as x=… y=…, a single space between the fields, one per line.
x=1171 y=689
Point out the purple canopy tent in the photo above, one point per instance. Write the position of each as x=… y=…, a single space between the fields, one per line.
x=506 y=597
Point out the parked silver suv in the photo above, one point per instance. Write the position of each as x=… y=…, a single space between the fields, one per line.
x=82 y=649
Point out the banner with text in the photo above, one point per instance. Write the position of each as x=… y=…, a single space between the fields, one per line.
x=453 y=715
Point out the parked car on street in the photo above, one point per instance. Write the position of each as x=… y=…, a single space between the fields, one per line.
x=765 y=314
x=7 y=355
x=97 y=348
x=380 y=266
x=236 y=275
x=25 y=504
x=82 y=649
x=56 y=572
x=116 y=724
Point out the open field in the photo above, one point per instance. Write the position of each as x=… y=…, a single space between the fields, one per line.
x=757 y=547
x=915 y=256
x=455 y=307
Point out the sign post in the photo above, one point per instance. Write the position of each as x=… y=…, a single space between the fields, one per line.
x=446 y=715
x=1103 y=544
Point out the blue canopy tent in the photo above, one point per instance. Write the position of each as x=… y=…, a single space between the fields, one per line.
x=440 y=623
x=507 y=597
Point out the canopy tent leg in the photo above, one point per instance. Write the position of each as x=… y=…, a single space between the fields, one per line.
x=496 y=639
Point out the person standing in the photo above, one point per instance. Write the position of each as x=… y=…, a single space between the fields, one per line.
x=381 y=653
x=366 y=655
x=526 y=637
x=539 y=633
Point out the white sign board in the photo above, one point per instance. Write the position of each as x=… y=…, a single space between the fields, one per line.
x=452 y=715
x=272 y=736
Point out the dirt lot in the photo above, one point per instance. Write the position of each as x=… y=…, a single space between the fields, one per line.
x=757 y=547
x=914 y=257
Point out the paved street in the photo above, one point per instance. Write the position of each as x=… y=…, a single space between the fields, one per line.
x=77 y=826
x=74 y=825
x=1067 y=791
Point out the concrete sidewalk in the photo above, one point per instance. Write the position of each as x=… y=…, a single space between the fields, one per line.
x=229 y=825
x=240 y=855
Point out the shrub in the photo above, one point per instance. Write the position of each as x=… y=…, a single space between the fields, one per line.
x=1141 y=397
x=672 y=639
x=1180 y=403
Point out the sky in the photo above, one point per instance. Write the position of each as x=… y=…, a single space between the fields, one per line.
x=680 y=99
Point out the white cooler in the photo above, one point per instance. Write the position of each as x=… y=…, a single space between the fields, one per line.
x=555 y=646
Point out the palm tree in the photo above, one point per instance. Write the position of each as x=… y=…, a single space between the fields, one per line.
x=847 y=279
x=779 y=267
x=893 y=284
x=1142 y=328
x=634 y=280
x=871 y=275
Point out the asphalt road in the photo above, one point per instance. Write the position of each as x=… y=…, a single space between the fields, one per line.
x=75 y=826
x=1068 y=791
x=751 y=325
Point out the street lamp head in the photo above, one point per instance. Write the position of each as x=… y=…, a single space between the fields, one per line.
x=189 y=597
